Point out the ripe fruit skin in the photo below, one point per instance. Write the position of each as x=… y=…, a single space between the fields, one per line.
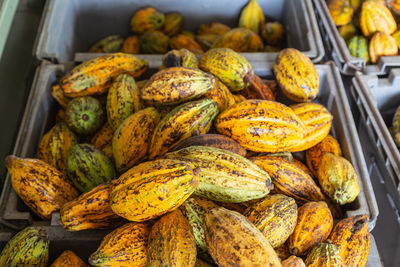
x=182 y=41
x=239 y=40
x=376 y=17
x=324 y=255
x=147 y=19
x=131 y=45
x=293 y=261
x=102 y=140
x=179 y=58
x=382 y=44
x=67 y=259
x=173 y=23
x=233 y=241
x=341 y=11
x=252 y=17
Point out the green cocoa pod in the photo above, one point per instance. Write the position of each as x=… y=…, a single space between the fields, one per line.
x=224 y=176
x=358 y=47
x=173 y=23
x=153 y=43
x=184 y=121
x=324 y=254
x=396 y=127
x=88 y=166
x=29 y=247
x=147 y=19
x=110 y=44
x=230 y=67
x=179 y=58
x=84 y=115
x=123 y=99
x=176 y=85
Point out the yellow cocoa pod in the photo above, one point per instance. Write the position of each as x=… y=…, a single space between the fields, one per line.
x=338 y=179
x=110 y=44
x=275 y=216
x=90 y=210
x=102 y=140
x=59 y=96
x=240 y=40
x=233 y=240
x=176 y=85
x=153 y=188
x=123 y=247
x=131 y=45
x=221 y=95
x=293 y=261
x=95 y=76
x=261 y=125
x=184 y=121
x=238 y=98
x=296 y=75
x=171 y=242
x=131 y=140
x=68 y=259
x=314 y=154
x=179 y=58
x=252 y=17
x=376 y=17
x=352 y=238
x=42 y=187
x=123 y=99
x=317 y=121
x=173 y=23
x=213 y=28
x=341 y=11
x=55 y=144
x=382 y=44
x=147 y=19
x=314 y=224
x=181 y=41
x=230 y=67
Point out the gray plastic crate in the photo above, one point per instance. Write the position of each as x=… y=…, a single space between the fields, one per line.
x=40 y=112
x=377 y=100
x=337 y=47
x=73 y=26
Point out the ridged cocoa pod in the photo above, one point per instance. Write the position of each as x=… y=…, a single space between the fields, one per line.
x=179 y=58
x=68 y=259
x=95 y=76
x=153 y=187
x=212 y=140
x=396 y=127
x=314 y=154
x=125 y=246
x=338 y=179
x=102 y=140
x=289 y=179
x=206 y=40
x=347 y=31
x=293 y=261
x=376 y=17
x=296 y=75
x=173 y=23
x=123 y=99
x=110 y=44
x=147 y=19
x=233 y=241
x=261 y=125
x=55 y=144
x=91 y=210
x=223 y=175
x=275 y=216
x=324 y=254
x=181 y=41
x=314 y=224
x=382 y=44
x=341 y=11
x=273 y=33
x=59 y=96
x=184 y=121
x=155 y=42
x=131 y=45
x=221 y=95
x=213 y=28
x=42 y=187
x=131 y=140
x=171 y=242
x=240 y=40
x=176 y=85
x=317 y=121
x=352 y=238
x=194 y=209
x=252 y=17
x=228 y=66
x=302 y=166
